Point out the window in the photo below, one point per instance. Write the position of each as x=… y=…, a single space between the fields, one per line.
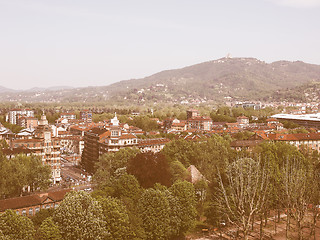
x=17 y=212
x=56 y=205
x=24 y=212
x=48 y=206
x=37 y=209
x=30 y=211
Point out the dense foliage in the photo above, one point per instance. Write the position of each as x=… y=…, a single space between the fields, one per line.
x=22 y=171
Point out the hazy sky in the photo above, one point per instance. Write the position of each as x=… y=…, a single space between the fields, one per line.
x=97 y=42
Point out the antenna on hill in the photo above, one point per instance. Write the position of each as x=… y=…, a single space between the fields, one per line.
x=229 y=55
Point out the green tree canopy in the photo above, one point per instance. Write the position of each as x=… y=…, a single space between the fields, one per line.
x=108 y=164
x=16 y=227
x=22 y=171
x=79 y=216
x=150 y=168
x=116 y=217
x=48 y=230
x=155 y=213
x=184 y=192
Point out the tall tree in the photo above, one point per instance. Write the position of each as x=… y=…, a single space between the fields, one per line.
x=22 y=171
x=244 y=193
x=155 y=213
x=116 y=217
x=150 y=168
x=79 y=216
x=297 y=194
x=185 y=194
x=108 y=164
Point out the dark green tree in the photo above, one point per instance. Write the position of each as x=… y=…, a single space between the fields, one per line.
x=150 y=168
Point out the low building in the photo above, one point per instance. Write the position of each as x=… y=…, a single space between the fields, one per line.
x=68 y=116
x=306 y=120
x=153 y=145
x=30 y=205
x=243 y=121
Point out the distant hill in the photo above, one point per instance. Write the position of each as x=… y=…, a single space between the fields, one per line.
x=55 y=88
x=4 y=89
x=239 y=78
x=309 y=92
x=231 y=78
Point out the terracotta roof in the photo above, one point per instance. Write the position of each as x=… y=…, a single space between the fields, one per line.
x=15 y=151
x=180 y=124
x=31 y=200
x=27 y=140
x=272 y=120
x=294 y=137
x=127 y=136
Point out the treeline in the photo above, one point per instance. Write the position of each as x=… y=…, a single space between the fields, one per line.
x=22 y=172
x=149 y=195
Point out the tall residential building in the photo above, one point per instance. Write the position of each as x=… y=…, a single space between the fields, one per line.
x=28 y=122
x=14 y=114
x=45 y=146
x=199 y=123
x=192 y=113
x=86 y=116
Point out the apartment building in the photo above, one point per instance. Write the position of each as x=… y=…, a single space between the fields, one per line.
x=86 y=116
x=14 y=114
x=199 y=123
x=45 y=146
x=28 y=122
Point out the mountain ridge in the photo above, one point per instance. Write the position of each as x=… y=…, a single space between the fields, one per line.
x=235 y=78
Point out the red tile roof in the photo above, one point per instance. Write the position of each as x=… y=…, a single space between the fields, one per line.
x=31 y=200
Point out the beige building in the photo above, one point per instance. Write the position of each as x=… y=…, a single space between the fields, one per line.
x=45 y=146
x=28 y=122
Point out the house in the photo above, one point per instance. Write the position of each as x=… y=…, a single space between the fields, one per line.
x=243 y=121
x=247 y=145
x=12 y=152
x=30 y=205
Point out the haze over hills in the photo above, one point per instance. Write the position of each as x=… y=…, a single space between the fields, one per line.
x=236 y=78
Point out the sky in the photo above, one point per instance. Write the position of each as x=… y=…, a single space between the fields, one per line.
x=81 y=43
